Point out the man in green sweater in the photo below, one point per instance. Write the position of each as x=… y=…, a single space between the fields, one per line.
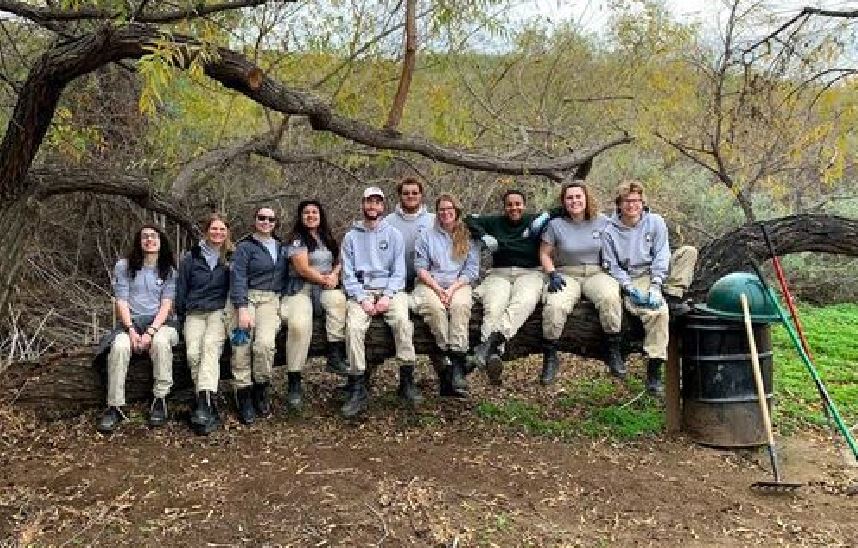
x=513 y=286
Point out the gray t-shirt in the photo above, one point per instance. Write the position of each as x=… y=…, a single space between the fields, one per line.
x=144 y=293
x=271 y=245
x=575 y=243
x=321 y=258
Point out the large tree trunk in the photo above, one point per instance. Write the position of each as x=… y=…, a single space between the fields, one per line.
x=67 y=383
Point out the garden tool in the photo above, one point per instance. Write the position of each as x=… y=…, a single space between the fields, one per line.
x=823 y=392
x=779 y=272
x=776 y=486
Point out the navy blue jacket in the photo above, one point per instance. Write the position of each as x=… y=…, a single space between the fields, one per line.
x=252 y=268
x=199 y=287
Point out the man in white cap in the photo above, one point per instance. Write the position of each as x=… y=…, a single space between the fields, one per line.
x=373 y=256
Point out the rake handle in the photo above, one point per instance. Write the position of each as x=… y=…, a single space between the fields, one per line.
x=758 y=382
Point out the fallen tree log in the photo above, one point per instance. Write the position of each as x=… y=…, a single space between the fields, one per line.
x=67 y=383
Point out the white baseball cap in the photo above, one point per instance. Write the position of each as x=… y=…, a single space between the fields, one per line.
x=373 y=191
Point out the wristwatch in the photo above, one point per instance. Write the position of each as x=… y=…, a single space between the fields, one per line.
x=151 y=331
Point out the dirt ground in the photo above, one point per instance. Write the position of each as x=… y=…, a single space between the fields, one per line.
x=442 y=476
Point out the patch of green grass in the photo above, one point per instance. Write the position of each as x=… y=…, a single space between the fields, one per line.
x=832 y=333
x=643 y=417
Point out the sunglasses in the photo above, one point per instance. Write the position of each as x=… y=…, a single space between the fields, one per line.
x=263 y=218
x=149 y=236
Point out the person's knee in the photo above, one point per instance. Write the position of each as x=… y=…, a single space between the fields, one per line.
x=121 y=344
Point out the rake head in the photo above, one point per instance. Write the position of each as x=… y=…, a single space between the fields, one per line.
x=774 y=487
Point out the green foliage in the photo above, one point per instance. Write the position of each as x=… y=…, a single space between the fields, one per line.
x=831 y=333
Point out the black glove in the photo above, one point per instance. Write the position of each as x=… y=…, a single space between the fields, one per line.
x=555 y=282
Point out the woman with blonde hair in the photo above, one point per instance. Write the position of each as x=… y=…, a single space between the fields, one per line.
x=202 y=288
x=447 y=263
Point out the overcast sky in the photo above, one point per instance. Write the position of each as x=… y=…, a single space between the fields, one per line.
x=593 y=14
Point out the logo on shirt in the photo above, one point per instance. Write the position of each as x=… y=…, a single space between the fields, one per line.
x=159 y=281
x=526 y=233
x=596 y=234
x=648 y=237
x=296 y=243
x=383 y=245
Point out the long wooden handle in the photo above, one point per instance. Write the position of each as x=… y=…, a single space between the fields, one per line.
x=758 y=376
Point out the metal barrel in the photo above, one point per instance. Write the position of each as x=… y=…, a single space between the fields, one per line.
x=719 y=405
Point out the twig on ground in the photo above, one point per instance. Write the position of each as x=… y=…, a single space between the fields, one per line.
x=633 y=400
x=383 y=524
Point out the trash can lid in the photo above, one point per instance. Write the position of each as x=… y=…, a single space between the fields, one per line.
x=723 y=298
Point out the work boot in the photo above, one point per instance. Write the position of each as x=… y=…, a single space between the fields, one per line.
x=441 y=364
x=358 y=397
x=110 y=420
x=337 y=362
x=486 y=349
x=458 y=361
x=293 y=394
x=205 y=419
x=158 y=412
x=614 y=355
x=494 y=370
x=653 y=377
x=244 y=404
x=408 y=391
x=677 y=306
x=261 y=399
x=550 y=362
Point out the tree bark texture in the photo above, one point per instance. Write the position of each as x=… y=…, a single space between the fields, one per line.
x=68 y=383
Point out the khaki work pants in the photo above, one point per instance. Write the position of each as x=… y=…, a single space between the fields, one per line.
x=205 y=333
x=264 y=309
x=298 y=311
x=509 y=296
x=595 y=284
x=656 y=321
x=161 y=353
x=357 y=322
x=448 y=325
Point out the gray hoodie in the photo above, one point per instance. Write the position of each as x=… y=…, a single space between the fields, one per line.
x=629 y=252
x=434 y=253
x=410 y=225
x=373 y=259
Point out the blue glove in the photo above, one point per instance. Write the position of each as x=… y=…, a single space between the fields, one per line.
x=239 y=337
x=638 y=297
x=654 y=299
x=555 y=282
x=490 y=242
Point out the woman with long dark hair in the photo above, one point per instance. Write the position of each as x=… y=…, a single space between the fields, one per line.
x=144 y=285
x=447 y=263
x=201 y=295
x=314 y=275
x=258 y=277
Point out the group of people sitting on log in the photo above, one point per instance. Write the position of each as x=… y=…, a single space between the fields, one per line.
x=409 y=260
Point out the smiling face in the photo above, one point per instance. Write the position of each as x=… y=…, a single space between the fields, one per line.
x=150 y=241
x=447 y=214
x=373 y=207
x=513 y=207
x=265 y=221
x=310 y=217
x=216 y=233
x=631 y=207
x=575 y=202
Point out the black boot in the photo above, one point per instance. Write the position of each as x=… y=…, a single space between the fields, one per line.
x=483 y=352
x=614 y=355
x=459 y=384
x=358 y=397
x=294 y=392
x=244 y=404
x=337 y=362
x=677 y=306
x=205 y=419
x=110 y=420
x=653 y=377
x=550 y=362
x=407 y=389
x=158 y=412
x=262 y=399
x=441 y=364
